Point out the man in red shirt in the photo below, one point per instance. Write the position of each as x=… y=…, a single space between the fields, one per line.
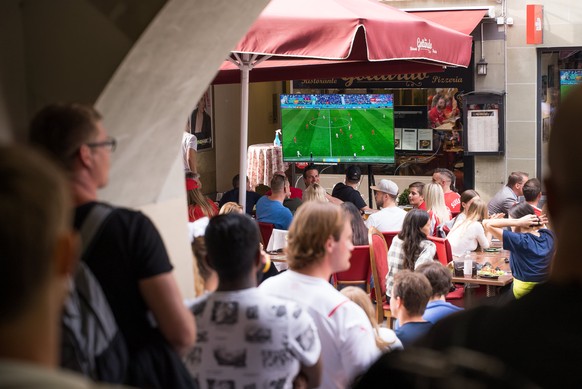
x=446 y=179
x=532 y=192
x=436 y=114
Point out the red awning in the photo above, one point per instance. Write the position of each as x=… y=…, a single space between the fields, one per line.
x=463 y=21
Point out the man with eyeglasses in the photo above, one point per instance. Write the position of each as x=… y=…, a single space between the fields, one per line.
x=509 y=195
x=126 y=255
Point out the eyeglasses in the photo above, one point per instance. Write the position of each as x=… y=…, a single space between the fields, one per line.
x=110 y=143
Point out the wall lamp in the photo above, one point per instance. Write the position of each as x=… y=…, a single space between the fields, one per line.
x=482 y=65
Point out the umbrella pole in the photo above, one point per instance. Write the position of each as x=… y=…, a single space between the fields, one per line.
x=244 y=130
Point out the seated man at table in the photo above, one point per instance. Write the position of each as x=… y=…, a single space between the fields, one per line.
x=320 y=244
x=408 y=300
x=508 y=196
x=270 y=208
x=390 y=217
x=232 y=195
x=246 y=335
x=348 y=190
x=440 y=282
x=311 y=176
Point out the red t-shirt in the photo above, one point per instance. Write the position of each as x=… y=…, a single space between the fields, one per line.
x=195 y=211
x=453 y=202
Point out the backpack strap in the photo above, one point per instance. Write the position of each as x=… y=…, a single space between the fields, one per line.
x=92 y=223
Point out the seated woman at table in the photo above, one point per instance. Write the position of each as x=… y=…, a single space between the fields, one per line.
x=198 y=204
x=410 y=247
x=434 y=198
x=530 y=243
x=359 y=229
x=469 y=234
x=467 y=198
x=314 y=192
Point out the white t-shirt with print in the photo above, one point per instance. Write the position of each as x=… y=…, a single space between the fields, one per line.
x=189 y=141
x=249 y=339
x=347 y=337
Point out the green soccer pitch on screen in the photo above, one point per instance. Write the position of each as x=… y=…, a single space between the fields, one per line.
x=338 y=128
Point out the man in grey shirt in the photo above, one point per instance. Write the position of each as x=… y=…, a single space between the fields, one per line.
x=509 y=195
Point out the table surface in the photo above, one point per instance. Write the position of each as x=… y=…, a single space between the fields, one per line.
x=496 y=259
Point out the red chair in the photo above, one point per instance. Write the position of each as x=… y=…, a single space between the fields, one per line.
x=379 y=264
x=444 y=254
x=266 y=231
x=389 y=236
x=359 y=272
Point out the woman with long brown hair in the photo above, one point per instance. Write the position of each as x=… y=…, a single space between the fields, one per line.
x=410 y=247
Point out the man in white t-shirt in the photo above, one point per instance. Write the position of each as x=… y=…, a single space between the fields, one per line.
x=390 y=217
x=189 y=149
x=246 y=337
x=320 y=244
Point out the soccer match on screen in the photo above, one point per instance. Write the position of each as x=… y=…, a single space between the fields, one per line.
x=338 y=128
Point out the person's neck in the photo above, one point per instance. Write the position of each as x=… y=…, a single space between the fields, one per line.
x=278 y=196
x=33 y=337
x=437 y=298
x=388 y=205
x=353 y=184
x=407 y=318
x=250 y=281
x=318 y=270
x=84 y=190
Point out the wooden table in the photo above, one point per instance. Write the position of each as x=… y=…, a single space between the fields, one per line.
x=497 y=259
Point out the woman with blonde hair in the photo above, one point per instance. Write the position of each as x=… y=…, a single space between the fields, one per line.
x=434 y=198
x=469 y=234
x=230 y=207
x=314 y=192
x=198 y=204
x=386 y=339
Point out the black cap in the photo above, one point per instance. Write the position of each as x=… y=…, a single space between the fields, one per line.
x=353 y=173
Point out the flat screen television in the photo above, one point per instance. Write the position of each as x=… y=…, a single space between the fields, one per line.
x=338 y=128
x=569 y=78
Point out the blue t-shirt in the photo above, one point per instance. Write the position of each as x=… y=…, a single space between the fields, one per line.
x=272 y=211
x=436 y=310
x=411 y=331
x=530 y=254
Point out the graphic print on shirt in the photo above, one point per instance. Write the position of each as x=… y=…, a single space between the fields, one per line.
x=255 y=334
x=225 y=312
x=230 y=357
x=306 y=339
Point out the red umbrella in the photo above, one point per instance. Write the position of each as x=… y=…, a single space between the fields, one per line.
x=295 y=39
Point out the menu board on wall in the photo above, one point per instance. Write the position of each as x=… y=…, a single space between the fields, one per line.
x=398 y=138
x=408 y=139
x=482 y=130
x=425 y=139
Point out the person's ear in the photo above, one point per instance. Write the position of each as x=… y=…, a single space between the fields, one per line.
x=66 y=254
x=85 y=155
x=329 y=244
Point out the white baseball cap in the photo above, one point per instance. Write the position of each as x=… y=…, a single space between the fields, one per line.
x=386 y=186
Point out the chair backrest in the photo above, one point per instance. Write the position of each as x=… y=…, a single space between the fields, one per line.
x=359 y=271
x=444 y=254
x=266 y=231
x=389 y=236
x=379 y=264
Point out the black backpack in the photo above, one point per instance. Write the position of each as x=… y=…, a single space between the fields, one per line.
x=91 y=342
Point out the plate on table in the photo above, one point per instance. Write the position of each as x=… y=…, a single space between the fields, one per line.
x=490 y=274
x=492 y=250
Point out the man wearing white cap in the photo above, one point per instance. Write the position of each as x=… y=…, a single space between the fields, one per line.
x=390 y=217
